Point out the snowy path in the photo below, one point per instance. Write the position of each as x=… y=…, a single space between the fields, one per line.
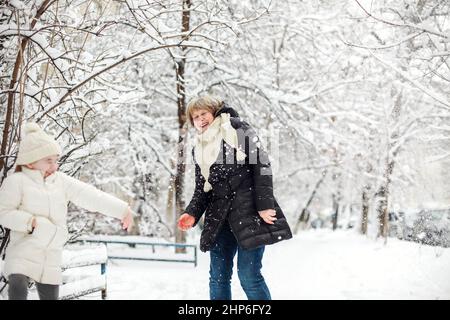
x=314 y=265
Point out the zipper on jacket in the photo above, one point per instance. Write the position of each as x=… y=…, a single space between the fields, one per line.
x=46 y=253
x=54 y=235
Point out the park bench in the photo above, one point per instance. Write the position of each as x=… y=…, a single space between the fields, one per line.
x=76 y=259
x=74 y=286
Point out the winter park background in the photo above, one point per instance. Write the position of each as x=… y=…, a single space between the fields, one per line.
x=350 y=97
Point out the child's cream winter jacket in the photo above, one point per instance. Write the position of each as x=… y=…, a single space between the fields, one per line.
x=26 y=194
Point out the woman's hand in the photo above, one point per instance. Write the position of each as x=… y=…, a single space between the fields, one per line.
x=268 y=215
x=185 y=222
x=127 y=221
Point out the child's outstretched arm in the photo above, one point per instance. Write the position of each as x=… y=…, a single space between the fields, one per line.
x=93 y=199
x=10 y=198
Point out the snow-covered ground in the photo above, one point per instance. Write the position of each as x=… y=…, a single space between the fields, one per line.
x=316 y=264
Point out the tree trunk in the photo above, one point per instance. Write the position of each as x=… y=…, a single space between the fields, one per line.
x=383 y=214
x=8 y=122
x=180 y=236
x=304 y=217
x=365 y=209
x=171 y=214
x=383 y=206
x=335 y=211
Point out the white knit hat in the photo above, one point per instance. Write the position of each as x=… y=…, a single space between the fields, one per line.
x=35 y=145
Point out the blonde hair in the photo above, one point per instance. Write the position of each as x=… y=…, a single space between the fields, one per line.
x=209 y=103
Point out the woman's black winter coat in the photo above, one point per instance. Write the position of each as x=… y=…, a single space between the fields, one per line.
x=239 y=190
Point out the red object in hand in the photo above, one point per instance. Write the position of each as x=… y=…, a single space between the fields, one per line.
x=186 y=221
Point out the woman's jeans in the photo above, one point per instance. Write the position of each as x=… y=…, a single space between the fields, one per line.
x=249 y=268
x=18 y=288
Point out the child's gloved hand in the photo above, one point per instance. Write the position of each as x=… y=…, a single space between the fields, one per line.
x=127 y=221
x=185 y=222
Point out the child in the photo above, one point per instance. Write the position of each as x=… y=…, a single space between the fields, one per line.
x=33 y=205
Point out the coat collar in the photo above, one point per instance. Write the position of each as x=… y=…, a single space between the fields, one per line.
x=226 y=109
x=37 y=176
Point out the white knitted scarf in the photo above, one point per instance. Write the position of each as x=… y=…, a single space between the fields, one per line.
x=208 y=144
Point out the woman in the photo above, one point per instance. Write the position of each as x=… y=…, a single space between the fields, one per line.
x=233 y=183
